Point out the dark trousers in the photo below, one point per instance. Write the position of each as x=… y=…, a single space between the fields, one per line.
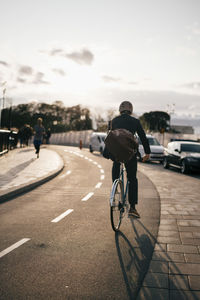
x=131 y=169
x=37 y=144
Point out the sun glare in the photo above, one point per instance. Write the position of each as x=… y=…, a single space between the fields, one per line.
x=81 y=80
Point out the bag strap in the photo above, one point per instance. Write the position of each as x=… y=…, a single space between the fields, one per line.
x=110 y=125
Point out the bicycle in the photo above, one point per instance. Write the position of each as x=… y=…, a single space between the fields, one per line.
x=119 y=203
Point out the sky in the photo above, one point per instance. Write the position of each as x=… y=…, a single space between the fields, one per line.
x=97 y=53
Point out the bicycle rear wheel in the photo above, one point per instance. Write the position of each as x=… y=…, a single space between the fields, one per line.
x=116 y=206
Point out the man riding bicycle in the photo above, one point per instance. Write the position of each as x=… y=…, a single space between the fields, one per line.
x=128 y=122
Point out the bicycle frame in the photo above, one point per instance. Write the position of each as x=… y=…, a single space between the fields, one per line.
x=124 y=188
x=119 y=204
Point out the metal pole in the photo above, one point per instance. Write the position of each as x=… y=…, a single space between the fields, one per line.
x=4 y=91
x=0 y=112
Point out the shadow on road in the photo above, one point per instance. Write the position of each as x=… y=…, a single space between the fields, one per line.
x=12 y=173
x=134 y=257
x=174 y=277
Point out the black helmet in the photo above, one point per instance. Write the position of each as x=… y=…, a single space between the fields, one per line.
x=126 y=106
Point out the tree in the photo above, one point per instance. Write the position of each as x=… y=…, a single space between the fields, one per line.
x=155 y=121
x=102 y=123
x=55 y=116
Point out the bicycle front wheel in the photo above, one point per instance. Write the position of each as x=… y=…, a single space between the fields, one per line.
x=116 y=206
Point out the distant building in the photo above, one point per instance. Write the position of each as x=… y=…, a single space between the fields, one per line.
x=182 y=129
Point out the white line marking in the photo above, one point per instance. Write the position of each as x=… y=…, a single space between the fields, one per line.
x=99 y=166
x=95 y=163
x=98 y=185
x=86 y=157
x=102 y=171
x=90 y=159
x=67 y=173
x=14 y=246
x=87 y=196
x=102 y=177
x=67 y=212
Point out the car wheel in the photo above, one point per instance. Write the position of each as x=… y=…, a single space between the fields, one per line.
x=101 y=150
x=91 y=150
x=165 y=163
x=184 y=168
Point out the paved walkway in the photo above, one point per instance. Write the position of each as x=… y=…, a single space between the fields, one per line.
x=20 y=170
x=174 y=272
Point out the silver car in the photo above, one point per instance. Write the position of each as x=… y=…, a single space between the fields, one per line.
x=157 y=150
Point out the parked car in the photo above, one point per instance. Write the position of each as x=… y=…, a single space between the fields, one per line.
x=97 y=141
x=184 y=155
x=157 y=150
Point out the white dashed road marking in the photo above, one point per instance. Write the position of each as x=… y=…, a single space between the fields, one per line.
x=98 y=185
x=67 y=212
x=87 y=196
x=14 y=246
x=67 y=173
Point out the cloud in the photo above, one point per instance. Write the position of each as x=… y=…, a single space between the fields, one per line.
x=55 y=51
x=132 y=82
x=39 y=79
x=192 y=85
x=59 y=71
x=25 y=70
x=4 y=63
x=83 y=57
x=110 y=79
x=21 y=80
x=28 y=75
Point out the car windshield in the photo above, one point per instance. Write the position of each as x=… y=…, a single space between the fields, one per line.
x=190 y=148
x=153 y=142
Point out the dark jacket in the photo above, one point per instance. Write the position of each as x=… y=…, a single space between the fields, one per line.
x=132 y=124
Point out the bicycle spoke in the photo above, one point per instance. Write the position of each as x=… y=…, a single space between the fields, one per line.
x=116 y=206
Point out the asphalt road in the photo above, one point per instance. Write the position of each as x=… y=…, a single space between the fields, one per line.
x=71 y=251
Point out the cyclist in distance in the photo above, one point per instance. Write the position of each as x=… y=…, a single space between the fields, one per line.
x=128 y=122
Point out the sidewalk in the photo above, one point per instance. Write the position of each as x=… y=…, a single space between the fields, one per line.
x=174 y=271
x=21 y=171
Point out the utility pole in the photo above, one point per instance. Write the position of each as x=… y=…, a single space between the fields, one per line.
x=3 y=100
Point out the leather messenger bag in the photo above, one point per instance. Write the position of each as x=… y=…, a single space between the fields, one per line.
x=122 y=144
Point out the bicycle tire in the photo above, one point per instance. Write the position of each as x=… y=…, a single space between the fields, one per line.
x=116 y=206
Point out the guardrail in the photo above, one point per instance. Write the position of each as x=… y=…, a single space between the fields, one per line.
x=8 y=140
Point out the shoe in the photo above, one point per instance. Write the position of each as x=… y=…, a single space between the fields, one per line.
x=133 y=213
